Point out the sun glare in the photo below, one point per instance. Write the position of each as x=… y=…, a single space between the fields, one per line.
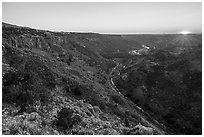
x=185 y=32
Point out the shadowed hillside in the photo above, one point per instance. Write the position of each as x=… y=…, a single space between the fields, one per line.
x=167 y=83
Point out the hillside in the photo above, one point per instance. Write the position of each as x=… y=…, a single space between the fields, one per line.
x=167 y=84
x=58 y=83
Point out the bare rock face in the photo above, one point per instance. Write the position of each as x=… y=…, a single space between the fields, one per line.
x=34 y=117
x=138 y=130
x=141 y=130
x=97 y=111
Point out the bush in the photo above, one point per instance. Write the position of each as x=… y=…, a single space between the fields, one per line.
x=24 y=88
x=76 y=119
x=16 y=94
x=66 y=120
x=11 y=78
x=31 y=80
x=77 y=91
x=117 y=99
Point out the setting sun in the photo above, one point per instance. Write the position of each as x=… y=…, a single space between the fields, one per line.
x=185 y=32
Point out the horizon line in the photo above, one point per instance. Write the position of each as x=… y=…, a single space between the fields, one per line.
x=95 y=32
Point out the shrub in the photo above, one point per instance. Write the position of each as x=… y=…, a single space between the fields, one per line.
x=76 y=119
x=77 y=91
x=66 y=120
x=11 y=78
x=24 y=89
x=117 y=99
x=31 y=80
x=16 y=94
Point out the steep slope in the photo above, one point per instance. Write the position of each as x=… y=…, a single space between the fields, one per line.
x=57 y=83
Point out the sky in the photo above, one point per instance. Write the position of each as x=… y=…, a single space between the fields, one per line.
x=106 y=18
